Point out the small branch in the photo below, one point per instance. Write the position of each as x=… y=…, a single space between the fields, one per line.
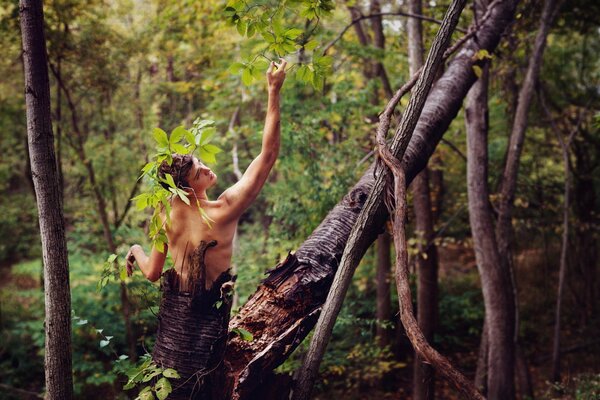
x=454 y=148
x=382 y=14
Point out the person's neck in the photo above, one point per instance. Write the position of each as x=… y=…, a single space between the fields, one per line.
x=199 y=195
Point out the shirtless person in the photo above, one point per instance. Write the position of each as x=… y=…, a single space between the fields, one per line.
x=187 y=228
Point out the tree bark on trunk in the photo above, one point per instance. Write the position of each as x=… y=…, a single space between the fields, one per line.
x=498 y=345
x=57 y=297
x=285 y=306
x=426 y=259
x=192 y=328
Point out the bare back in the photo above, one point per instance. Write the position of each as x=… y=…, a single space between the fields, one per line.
x=188 y=229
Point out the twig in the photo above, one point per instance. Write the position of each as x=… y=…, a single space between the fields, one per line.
x=382 y=14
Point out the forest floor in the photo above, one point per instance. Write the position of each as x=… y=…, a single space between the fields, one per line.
x=458 y=340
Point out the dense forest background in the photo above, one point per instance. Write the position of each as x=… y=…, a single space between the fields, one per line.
x=121 y=68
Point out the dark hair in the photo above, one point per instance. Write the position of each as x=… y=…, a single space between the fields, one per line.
x=179 y=170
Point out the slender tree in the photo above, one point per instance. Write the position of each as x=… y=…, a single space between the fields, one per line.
x=57 y=356
x=426 y=259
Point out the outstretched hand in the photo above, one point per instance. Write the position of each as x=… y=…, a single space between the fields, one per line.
x=276 y=75
x=130 y=259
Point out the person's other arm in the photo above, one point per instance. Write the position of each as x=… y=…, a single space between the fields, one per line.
x=151 y=266
x=239 y=196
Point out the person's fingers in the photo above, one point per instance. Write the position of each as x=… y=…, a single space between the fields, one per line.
x=270 y=69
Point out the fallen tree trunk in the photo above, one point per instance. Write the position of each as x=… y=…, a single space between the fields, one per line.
x=286 y=305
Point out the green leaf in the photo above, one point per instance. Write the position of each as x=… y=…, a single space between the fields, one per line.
x=207 y=157
x=161 y=137
x=176 y=135
x=243 y=334
x=482 y=54
x=104 y=343
x=123 y=274
x=82 y=322
x=163 y=388
x=146 y=395
x=183 y=196
x=236 y=67
x=207 y=135
x=247 y=76
x=169 y=180
x=293 y=33
x=478 y=71
x=311 y=45
x=171 y=373
x=150 y=375
x=111 y=258
x=211 y=148
x=180 y=149
x=241 y=27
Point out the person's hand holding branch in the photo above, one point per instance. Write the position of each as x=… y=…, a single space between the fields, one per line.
x=276 y=76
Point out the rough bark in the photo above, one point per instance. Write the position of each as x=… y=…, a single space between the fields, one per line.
x=352 y=252
x=57 y=297
x=285 y=307
x=192 y=328
x=426 y=259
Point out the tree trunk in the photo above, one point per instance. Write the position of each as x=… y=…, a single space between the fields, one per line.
x=57 y=298
x=192 y=328
x=285 y=306
x=495 y=280
x=564 y=146
x=426 y=259
x=502 y=352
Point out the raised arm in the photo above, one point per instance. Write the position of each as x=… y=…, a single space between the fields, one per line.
x=151 y=266
x=239 y=196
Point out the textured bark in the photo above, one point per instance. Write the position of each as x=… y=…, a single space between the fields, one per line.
x=192 y=329
x=426 y=260
x=57 y=297
x=285 y=307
